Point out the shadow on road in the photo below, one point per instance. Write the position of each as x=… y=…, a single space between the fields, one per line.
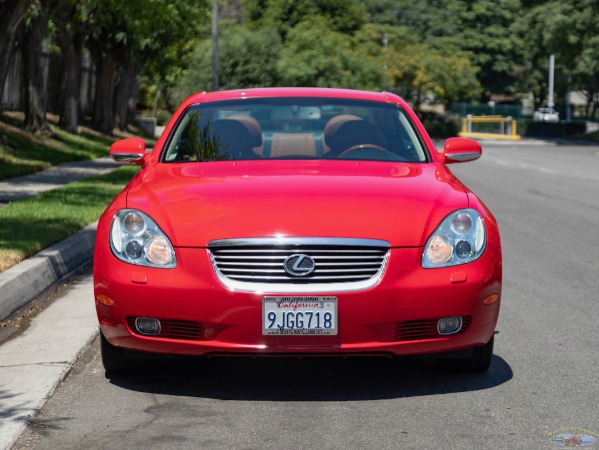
x=310 y=379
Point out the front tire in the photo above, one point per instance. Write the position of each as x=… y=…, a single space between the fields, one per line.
x=478 y=362
x=114 y=359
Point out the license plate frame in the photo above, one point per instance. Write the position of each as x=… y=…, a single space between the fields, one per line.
x=315 y=315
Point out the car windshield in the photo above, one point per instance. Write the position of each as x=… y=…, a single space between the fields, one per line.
x=294 y=128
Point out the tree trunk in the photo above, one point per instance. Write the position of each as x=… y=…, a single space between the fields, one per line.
x=71 y=45
x=103 y=110
x=12 y=13
x=125 y=93
x=35 y=107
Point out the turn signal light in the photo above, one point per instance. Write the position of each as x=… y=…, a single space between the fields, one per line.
x=105 y=300
x=491 y=299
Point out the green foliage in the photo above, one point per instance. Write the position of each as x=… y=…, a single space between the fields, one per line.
x=28 y=226
x=344 y=16
x=248 y=58
x=569 y=30
x=481 y=30
x=315 y=55
x=24 y=153
x=492 y=45
x=420 y=72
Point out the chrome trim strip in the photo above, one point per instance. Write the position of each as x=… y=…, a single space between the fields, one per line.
x=288 y=240
x=464 y=157
x=127 y=157
x=219 y=257
x=299 y=250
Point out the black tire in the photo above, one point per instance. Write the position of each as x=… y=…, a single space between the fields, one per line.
x=115 y=360
x=478 y=362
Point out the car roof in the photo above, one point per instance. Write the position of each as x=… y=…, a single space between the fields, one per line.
x=238 y=94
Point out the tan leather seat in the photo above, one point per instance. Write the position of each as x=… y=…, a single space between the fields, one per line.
x=296 y=144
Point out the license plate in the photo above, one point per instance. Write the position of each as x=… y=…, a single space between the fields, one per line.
x=299 y=316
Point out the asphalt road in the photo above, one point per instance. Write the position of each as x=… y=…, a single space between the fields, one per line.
x=544 y=376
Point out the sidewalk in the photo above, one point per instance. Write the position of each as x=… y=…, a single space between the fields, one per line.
x=33 y=364
x=30 y=185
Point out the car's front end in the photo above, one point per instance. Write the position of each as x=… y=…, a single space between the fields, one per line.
x=347 y=252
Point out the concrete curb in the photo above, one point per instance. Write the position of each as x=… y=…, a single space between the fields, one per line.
x=22 y=283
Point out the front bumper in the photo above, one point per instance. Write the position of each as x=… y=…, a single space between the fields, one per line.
x=228 y=322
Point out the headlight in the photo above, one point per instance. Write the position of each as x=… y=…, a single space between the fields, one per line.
x=460 y=239
x=136 y=239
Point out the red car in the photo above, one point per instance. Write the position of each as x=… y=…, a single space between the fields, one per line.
x=296 y=221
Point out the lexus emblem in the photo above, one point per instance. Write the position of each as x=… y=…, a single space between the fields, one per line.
x=299 y=265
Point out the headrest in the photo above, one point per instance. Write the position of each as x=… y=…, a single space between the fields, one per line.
x=357 y=132
x=234 y=137
x=251 y=124
x=332 y=126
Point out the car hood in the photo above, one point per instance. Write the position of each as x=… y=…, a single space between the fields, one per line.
x=195 y=203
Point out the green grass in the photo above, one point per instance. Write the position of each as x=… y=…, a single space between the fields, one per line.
x=22 y=153
x=28 y=226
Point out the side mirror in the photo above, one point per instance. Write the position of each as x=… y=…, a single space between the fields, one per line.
x=457 y=150
x=128 y=151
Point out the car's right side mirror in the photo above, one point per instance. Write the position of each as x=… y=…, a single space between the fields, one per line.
x=457 y=150
x=128 y=151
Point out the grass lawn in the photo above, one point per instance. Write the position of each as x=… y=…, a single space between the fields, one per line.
x=22 y=152
x=28 y=226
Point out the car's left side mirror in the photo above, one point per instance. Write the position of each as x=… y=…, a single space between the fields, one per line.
x=128 y=151
x=457 y=150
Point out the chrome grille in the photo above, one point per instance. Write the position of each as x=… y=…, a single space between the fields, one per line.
x=338 y=264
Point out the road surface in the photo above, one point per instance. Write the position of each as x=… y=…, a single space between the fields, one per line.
x=542 y=382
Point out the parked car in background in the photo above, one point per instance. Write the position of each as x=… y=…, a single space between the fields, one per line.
x=294 y=222
x=545 y=115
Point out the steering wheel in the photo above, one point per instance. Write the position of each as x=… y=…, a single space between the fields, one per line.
x=367 y=151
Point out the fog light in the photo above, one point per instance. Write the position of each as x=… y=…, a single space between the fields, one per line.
x=449 y=325
x=147 y=326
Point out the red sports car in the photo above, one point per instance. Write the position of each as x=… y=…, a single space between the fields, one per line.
x=296 y=221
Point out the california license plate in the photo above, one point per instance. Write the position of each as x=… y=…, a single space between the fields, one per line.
x=299 y=316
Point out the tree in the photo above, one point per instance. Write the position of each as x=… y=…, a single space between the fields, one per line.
x=420 y=74
x=72 y=28
x=568 y=29
x=492 y=45
x=315 y=55
x=124 y=35
x=248 y=58
x=480 y=29
x=36 y=27
x=12 y=13
x=344 y=16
